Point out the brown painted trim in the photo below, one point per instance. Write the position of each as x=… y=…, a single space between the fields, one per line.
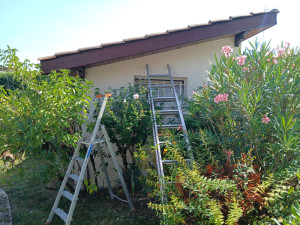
x=239 y=38
x=151 y=44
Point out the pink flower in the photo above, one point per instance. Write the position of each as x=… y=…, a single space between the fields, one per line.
x=265 y=119
x=284 y=51
x=228 y=153
x=287 y=43
x=217 y=99
x=268 y=60
x=194 y=92
x=246 y=69
x=221 y=98
x=179 y=128
x=275 y=61
x=268 y=53
x=293 y=65
x=225 y=97
x=226 y=50
x=241 y=60
x=281 y=51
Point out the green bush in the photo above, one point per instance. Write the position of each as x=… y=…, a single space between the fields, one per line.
x=39 y=117
x=127 y=119
x=245 y=139
x=7 y=80
x=294 y=218
x=251 y=102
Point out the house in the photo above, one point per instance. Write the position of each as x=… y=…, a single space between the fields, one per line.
x=189 y=52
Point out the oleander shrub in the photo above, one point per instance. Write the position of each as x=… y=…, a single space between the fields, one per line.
x=244 y=131
x=250 y=102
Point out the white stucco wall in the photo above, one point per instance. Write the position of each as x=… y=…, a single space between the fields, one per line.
x=191 y=62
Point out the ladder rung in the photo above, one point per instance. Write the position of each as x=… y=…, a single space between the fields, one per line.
x=73 y=176
x=169 y=126
x=166 y=161
x=164 y=99
x=163 y=135
x=67 y=194
x=159 y=75
x=95 y=142
x=78 y=158
x=161 y=86
x=61 y=214
x=164 y=142
x=168 y=112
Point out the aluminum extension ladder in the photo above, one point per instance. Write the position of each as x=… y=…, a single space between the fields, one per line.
x=95 y=140
x=156 y=127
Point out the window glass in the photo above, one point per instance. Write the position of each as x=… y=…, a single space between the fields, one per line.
x=162 y=91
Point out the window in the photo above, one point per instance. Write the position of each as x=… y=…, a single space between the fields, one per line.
x=165 y=91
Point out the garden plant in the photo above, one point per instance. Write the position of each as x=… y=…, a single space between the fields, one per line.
x=127 y=119
x=243 y=127
x=40 y=114
x=244 y=130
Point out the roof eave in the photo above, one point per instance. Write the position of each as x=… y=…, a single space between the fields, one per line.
x=240 y=27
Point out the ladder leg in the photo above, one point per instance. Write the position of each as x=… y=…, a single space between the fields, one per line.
x=50 y=218
x=106 y=173
x=62 y=187
x=77 y=190
x=113 y=155
x=67 y=217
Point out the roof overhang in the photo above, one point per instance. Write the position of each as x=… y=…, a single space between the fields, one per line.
x=241 y=27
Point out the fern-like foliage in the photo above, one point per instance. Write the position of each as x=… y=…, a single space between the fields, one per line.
x=235 y=213
x=217 y=216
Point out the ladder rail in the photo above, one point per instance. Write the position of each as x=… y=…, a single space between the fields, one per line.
x=86 y=161
x=185 y=134
x=159 y=161
x=154 y=130
x=71 y=164
x=118 y=168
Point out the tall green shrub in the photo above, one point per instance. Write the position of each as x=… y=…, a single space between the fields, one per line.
x=250 y=102
x=127 y=118
x=244 y=133
x=39 y=117
x=7 y=80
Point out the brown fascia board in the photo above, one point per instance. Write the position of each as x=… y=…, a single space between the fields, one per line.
x=122 y=50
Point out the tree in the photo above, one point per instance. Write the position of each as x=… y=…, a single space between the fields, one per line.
x=38 y=118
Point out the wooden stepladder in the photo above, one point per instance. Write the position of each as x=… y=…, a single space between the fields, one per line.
x=98 y=137
x=174 y=113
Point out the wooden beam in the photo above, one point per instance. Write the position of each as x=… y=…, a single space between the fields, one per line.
x=240 y=37
x=152 y=44
x=80 y=71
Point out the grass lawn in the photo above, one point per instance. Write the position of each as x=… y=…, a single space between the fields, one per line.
x=31 y=202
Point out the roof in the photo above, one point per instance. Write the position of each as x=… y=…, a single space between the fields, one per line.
x=242 y=27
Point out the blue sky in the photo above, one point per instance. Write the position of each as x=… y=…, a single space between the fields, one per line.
x=43 y=27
